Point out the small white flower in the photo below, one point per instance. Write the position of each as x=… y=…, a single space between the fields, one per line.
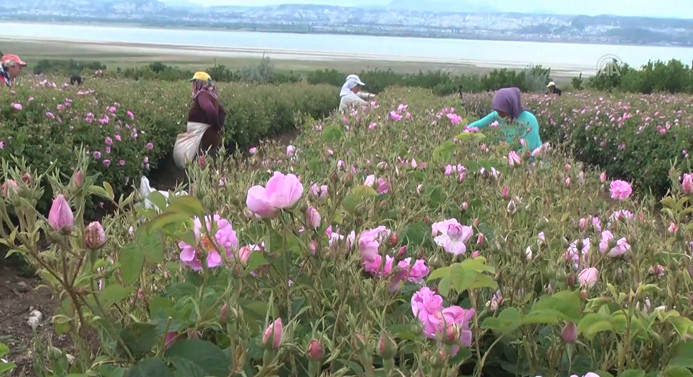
x=528 y=253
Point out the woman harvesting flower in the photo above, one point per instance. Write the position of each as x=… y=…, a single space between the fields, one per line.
x=351 y=95
x=205 y=122
x=513 y=118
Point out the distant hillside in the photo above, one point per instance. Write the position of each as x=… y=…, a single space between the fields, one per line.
x=463 y=19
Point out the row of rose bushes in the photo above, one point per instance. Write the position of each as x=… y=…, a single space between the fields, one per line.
x=128 y=127
x=380 y=243
x=637 y=137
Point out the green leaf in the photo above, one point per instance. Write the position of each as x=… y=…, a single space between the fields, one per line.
x=315 y=165
x=545 y=316
x=139 y=337
x=115 y=293
x=416 y=233
x=158 y=199
x=507 y=321
x=149 y=368
x=187 y=368
x=682 y=325
x=465 y=136
x=677 y=372
x=443 y=153
x=436 y=196
x=332 y=133
x=6 y=367
x=668 y=202
x=166 y=219
x=193 y=278
x=186 y=204
x=683 y=355
x=159 y=307
x=351 y=203
x=403 y=331
x=567 y=303
x=439 y=273
x=444 y=286
x=96 y=190
x=181 y=290
x=258 y=309
x=4 y=349
x=632 y=373
x=478 y=264
x=131 y=263
x=109 y=190
x=362 y=191
x=256 y=259
x=202 y=353
x=484 y=281
x=462 y=278
x=151 y=245
x=594 y=323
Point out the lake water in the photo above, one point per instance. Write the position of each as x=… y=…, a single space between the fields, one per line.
x=320 y=46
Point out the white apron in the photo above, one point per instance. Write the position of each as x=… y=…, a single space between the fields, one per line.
x=188 y=143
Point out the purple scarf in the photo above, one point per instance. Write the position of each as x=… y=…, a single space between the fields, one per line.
x=508 y=101
x=203 y=86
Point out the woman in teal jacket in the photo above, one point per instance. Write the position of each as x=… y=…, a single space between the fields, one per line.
x=515 y=121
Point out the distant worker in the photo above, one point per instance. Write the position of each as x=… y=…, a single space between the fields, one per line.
x=553 y=89
x=205 y=127
x=351 y=94
x=10 y=68
x=75 y=79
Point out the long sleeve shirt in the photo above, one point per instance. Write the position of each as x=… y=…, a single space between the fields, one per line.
x=530 y=134
x=352 y=100
x=206 y=109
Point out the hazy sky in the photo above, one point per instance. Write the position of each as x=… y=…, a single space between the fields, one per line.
x=659 y=8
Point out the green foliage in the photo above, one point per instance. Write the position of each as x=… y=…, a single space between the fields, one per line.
x=634 y=137
x=658 y=76
x=578 y=82
x=54 y=120
x=141 y=304
x=52 y=66
x=5 y=366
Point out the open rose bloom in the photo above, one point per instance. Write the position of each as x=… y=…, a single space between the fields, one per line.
x=224 y=238
x=451 y=323
x=452 y=236
x=282 y=191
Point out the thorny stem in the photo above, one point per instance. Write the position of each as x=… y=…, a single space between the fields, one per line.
x=163 y=341
x=109 y=323
x=480 y=366
x=472 y=295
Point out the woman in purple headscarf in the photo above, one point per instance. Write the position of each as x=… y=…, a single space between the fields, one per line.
x=516 y=122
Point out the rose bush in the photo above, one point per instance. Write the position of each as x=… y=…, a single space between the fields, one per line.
x=637 y=137
x=129 y=127
x=293 y=264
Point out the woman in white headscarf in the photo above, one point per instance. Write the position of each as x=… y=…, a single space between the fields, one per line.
x=351 y=94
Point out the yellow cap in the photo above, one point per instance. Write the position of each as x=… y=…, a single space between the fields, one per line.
x=202 y=76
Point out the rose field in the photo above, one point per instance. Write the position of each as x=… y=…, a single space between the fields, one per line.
x=637 y=137
x=385 y=242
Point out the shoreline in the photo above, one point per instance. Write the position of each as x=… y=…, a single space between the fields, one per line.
x=126 y=24
x=308 y=56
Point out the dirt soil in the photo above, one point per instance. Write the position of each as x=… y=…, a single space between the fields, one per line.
x=19 y=296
